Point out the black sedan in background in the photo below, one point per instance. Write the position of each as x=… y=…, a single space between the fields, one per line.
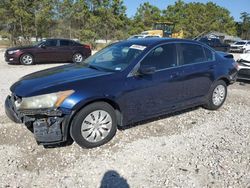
x=50 y=50
x=215 y=44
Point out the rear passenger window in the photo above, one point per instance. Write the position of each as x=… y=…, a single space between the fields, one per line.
x=209 y=54
x=191 y=53
x=216 y=42
x=161 y=57
x=64 y=43
x=75 y=43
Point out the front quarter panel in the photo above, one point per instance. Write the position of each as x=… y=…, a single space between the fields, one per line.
x=107 y=87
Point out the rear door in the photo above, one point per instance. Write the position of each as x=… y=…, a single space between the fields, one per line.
x=198 y=64
x=66 y=50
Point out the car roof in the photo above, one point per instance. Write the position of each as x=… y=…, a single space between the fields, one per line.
x=59 y=39
x=156 y=40
x=136 y=35
x=242 y=41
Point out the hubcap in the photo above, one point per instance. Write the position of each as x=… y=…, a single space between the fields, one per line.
x=26 y=59
x=96 y=126
x=78 y=58
x=219 y=95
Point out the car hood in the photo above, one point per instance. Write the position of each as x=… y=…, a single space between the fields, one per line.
x=20 y=48
x=34 y=83
x=245 y=57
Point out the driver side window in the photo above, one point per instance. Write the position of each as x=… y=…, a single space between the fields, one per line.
x=161 y=57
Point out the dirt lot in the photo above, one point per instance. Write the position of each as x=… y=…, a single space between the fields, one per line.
x=195 y=148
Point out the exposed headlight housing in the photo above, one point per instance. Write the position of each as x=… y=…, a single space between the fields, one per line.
x=13 y=51
x=52 y=100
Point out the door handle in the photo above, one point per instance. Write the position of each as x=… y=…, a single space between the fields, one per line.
x=175 y=75
x=211 y=67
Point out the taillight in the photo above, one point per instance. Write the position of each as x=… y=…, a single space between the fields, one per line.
x=87 y=46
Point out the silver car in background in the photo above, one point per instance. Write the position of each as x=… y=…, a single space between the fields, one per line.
x=244 y=66
x=240 y=46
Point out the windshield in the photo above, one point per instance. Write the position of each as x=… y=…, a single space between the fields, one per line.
x=240 y=43
x=115 y=57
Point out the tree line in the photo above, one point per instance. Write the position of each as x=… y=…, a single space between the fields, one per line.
x=89 y=20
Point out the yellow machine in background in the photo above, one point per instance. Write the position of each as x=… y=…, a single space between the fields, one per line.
x=164 y=29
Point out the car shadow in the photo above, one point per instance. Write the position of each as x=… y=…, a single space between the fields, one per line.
x=48 y=63
x=157 y=118
x=40 y=63
x=112 y=179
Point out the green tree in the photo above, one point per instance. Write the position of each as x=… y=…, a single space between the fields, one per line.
x=197 y=18
x=25 y=18
x=17 y=16
x=44 y=12
x=111 y=18
x=245 y=25
x=147 y=14
x=89 y=20
x=176 y=14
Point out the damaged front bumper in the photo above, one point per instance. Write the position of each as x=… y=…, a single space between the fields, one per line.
x=50 y=126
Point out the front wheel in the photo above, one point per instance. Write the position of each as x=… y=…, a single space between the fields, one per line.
x=94 y=125
x=27 y=59
x=216 y=96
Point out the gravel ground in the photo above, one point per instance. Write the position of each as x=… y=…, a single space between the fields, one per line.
x=194 y=148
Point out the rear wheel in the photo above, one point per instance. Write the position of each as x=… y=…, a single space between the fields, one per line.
x=78 y=58
x=217 y=95
x=27 y=59
x=94 y=125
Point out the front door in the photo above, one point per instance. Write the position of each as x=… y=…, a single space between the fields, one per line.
x=153 y=94
x=48 y=52
x=66 y=51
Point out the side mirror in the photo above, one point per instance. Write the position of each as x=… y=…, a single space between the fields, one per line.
x=145 y=70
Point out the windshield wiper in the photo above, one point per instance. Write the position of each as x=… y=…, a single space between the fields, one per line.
x=101 y=68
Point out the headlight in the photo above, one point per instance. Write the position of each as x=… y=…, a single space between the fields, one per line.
x=51 y=100
x=13 y=51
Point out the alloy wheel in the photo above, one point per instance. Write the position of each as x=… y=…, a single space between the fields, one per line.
x=78 y=58
x=27 y=60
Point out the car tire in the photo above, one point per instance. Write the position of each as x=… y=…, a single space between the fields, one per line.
x=94 y=125
x=77 y=58
x=27 y=59
x=216 y=96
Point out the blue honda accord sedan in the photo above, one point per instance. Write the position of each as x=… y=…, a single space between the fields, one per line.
x=124 y=83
